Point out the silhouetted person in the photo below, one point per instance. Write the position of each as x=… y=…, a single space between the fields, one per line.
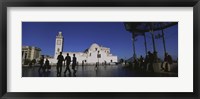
x=41 y=63
x=141 y=62
x=68 y=61
x=151 y=61
x=155 y=58
x=82 y=62
x=146 y=61
x=96 y=66
x=136 y=63
x=165 y=60
x=34 y=61
x=60 y=59
x=85 y=62
x=74 y=63
x=47 y=66
x=168 y=60
x=30 y=64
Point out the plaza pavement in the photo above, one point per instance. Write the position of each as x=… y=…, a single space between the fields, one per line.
x=92 y=71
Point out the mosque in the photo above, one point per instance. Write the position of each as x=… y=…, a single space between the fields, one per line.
x=91 y=55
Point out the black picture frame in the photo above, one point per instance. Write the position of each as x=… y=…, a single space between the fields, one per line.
x=98 y=3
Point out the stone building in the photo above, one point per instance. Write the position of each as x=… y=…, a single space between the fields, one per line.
x=30 y=53
x=91 y=55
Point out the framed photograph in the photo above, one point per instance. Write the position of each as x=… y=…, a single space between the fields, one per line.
x=89 y=49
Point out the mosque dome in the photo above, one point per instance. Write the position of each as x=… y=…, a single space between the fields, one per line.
x=94 y=46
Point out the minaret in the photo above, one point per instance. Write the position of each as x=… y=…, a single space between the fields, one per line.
x=59 y=44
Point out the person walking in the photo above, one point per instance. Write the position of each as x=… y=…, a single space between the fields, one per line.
x=167 y=62
x=151 y=61
x=47 y=66
x=74 y=63
x=60 y=59
x=41 y=63
x=68 y=61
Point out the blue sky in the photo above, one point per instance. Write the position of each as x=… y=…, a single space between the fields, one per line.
x=80 y=35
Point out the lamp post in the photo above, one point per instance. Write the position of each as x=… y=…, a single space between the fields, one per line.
x=98 y=56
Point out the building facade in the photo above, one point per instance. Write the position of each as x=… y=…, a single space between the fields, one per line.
x=91 y=55
x=30 y=53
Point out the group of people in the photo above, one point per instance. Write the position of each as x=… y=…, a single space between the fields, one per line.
x=44 y=66
x=150 y=59
x=67 y=61
x=168 y=61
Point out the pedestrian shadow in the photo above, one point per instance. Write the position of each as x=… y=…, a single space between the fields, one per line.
x=96 y=71
x=44 y=73
x=74 y=73
x=69 y=75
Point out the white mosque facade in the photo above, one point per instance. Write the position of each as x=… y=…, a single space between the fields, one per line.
x=92 y=55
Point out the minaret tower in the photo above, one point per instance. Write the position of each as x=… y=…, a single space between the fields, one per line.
x=59 y=44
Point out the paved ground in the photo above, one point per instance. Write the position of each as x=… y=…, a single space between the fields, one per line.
x=92 y=71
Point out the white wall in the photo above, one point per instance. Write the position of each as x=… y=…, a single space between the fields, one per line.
x=89 y=59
